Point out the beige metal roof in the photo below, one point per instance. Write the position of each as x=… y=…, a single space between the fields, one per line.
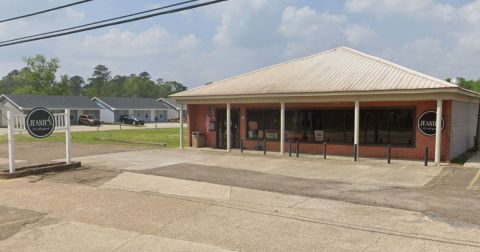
x=335 y=71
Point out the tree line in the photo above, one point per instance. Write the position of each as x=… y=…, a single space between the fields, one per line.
x=39 y=77
x=468 y=84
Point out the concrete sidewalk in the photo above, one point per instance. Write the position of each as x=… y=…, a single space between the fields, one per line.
x=363 y=172
x=473 y=162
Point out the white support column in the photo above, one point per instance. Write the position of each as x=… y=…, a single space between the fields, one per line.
x=282 y=128
x=181 y=126
x=11 y=142
x=68 y=138
x=356 y=136
x=229 y=130
x=438 y=132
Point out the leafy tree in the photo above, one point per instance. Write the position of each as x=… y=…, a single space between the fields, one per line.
x=145 y=75
x=75 y=85
x=62 y=87
x=170 y=87
x=99 y=79
x=467 y=84
x=116 y=86
x=40 y=76
x=10 y=82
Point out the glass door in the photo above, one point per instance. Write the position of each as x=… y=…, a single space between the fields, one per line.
x=222 y=128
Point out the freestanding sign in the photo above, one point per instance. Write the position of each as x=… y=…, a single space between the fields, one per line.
x=427 y=123
x=40 y=123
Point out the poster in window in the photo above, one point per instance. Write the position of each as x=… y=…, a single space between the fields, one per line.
x=252 y=125
x=318 y=135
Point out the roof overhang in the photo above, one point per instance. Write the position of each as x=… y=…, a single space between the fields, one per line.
x=458 y=94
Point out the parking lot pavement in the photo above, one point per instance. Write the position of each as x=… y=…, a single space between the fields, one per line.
x=68 y=214
x=76 y=128
x=437 y=191
x=402 y=175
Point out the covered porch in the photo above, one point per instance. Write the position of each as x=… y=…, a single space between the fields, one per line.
x=357 y=129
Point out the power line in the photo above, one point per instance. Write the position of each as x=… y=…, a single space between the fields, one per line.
x=115 y=23
x=98 y=22
x=44 y=11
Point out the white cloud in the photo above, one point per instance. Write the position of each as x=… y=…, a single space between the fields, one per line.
x=471 y=12
x=358 y=35
x=307 y=30
x=424 y=54
x=259 y=4
x=411 y=8
x=305 y=22
x=189 y=42
x=405 y=6
x=359 y=5
x=73 y=14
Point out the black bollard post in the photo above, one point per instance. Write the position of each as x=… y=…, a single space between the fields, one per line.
x=264 y=146
x=324 y=150
x=355 y=152
x=389 y=153
x=425 y=159
x=241 y=145
x=298 y=149
x=290 y=148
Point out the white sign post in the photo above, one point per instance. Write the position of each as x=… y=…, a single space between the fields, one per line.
x=16 y=123
x=68 y=138
x=11 y=142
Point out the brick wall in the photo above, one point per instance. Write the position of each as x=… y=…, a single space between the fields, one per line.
x=197 y=114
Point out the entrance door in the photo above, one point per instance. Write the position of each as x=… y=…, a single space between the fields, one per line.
x=222 y=128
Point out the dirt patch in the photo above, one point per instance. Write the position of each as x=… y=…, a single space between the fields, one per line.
x=91 y=176
x=35 y=153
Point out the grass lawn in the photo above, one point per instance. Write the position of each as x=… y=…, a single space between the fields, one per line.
x=169 y=137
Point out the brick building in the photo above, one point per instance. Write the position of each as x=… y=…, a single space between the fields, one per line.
x=343 y=97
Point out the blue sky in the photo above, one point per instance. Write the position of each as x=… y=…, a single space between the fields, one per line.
x=440 y=38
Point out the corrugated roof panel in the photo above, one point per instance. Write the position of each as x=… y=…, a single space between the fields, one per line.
x=338 y=70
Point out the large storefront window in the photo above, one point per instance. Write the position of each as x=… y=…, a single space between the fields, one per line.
x=377 y=126
x=387 y=126
x=319 y=125
x=263 y=124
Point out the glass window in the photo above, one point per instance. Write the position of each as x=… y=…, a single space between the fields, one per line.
x=402 y=127
x=377 y=126
x=387 y=126
x=255 y=122
x=335 y=126
x=263 y=124
x=304 y=125
x=349 y=125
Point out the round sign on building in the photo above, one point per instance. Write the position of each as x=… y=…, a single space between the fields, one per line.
x=40 y=123
x=427 y=123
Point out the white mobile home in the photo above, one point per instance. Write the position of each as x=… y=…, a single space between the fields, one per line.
x=147 y=109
